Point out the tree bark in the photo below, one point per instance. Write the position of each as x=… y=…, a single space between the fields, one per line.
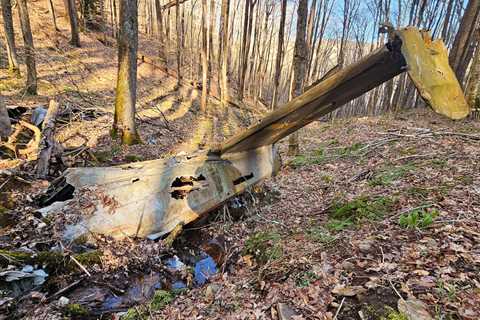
x=299 y=66
x=179 y=42
x=72 y=16
x=31 y=85
x=161 y=36
x=51 y=9
x=465 y=30
x=5 y=124
x=203 y=105
x=471 y=91
x=13 y=65
x=124 y=117
x=211 y=52
x=278 y=61
x=48 y=146
x=224 y=52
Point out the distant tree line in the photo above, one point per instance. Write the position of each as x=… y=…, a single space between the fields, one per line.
x=264 y=52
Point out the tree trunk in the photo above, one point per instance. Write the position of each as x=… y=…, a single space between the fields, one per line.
x=72 y=16
x=13 y=65
x=5 y=124
x=31 y=85
x=299 y=66
x=224 y=52
x=179 y=42
x=161 y=37
x=203 y=106
x=278 y=61
x=465 y=30
x=211 y=52
x=471 y=91
x=124 y=118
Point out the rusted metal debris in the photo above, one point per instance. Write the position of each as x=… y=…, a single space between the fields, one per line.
x=150 y=199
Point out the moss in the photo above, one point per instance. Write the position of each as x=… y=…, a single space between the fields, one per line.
x=161 y=299
x=76 y=310
x=133 y=158
x=103 y=156
x=89 y=258
x=264 y=246
x=393 y=315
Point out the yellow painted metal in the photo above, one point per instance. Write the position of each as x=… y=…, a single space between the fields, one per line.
x=429 y=69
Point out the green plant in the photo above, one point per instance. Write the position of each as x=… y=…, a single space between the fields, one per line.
x=306 y=278
x=388 y=175
x=420 y=192
x=349 y=151
x=320 y=235
x=161 y=299
x=346 y=214
x=134 y=314
x=264 y=246
x=447 y=290
x=417 y=219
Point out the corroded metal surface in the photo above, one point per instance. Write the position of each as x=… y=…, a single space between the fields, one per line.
x=151 y=198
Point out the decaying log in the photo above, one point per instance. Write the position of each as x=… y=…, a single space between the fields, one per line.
x=31 y=151
x=152 y=198
x=48 y=146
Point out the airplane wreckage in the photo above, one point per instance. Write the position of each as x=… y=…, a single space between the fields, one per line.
x=152 y=198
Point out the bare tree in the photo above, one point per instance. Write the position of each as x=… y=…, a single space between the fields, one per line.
x=126 y=92
x=463 y=37
x=472 y=87
x=51 y=9
x=211 y=52
x=161 y=36
x=278 y=60
x=13 y=65
x=178 y=24
x=203 y=106
x=72 y=16
x=224 y=52
x=299 y=66
x=31 y=85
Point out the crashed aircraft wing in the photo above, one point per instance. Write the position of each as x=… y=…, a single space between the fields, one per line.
x=152 y=198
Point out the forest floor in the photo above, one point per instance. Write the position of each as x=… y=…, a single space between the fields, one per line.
x=377 y=214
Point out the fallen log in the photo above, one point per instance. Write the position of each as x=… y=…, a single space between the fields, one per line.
x=152 y=198
x=48 y=146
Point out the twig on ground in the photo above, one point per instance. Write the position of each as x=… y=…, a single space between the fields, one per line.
x=338 y=309
x=80 y=266
x=67 y=288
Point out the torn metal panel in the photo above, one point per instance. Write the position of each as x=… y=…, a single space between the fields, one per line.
x=151 y=198
x=409 y=48
x=429 y=69
x=330 y=94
